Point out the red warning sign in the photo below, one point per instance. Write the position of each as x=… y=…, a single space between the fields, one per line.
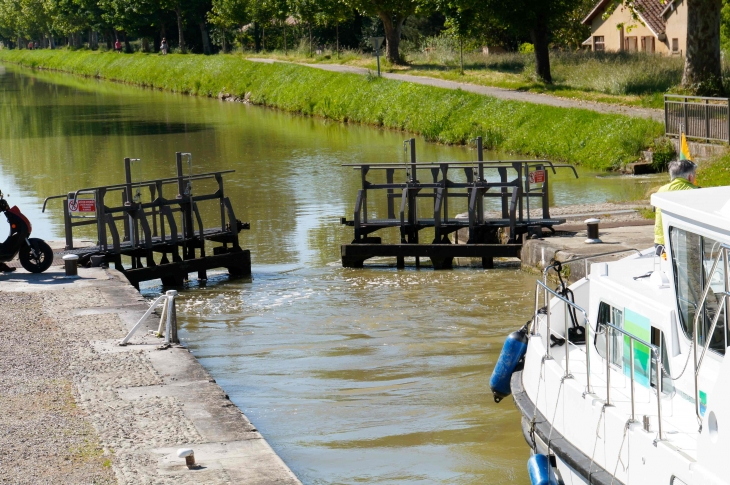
x=82 y=205
x=537 y=177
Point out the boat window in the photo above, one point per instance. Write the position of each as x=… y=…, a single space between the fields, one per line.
x=657 y=338
x=692 y=258
x=609 y=314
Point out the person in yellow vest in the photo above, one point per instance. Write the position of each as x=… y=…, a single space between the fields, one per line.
x=683 y=174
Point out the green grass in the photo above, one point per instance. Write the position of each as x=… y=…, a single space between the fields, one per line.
x=595 y=140
x=633 y=79
x=715 y=172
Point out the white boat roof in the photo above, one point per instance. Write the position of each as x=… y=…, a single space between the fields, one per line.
x=710 y=206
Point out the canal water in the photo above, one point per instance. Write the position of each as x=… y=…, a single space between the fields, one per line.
x=372 y=375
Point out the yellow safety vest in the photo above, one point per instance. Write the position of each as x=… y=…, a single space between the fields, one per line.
x=678 y=183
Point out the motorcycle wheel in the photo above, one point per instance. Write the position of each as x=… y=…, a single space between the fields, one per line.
x=39 y=263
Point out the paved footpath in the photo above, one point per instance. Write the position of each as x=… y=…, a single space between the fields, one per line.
x=501 y=93
x=78 y=408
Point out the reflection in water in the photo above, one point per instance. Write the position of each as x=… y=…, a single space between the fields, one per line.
x=376 y=376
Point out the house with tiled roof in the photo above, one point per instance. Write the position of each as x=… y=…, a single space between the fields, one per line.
x=648 y=25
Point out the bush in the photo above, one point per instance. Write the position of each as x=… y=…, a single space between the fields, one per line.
x=526 y=48
x=663 y=152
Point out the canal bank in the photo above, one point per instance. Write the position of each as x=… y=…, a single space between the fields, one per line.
x=79 y=408
x=579 y=136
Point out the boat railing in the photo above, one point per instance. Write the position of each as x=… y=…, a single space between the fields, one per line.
x=722 y=254
x=586 y=260
x=542 y=288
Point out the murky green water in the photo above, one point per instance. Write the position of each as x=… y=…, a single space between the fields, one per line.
x=354 y=376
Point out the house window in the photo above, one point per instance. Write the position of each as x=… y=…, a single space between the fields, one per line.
x=630 y=44
x=675 y=45
x=692 y=258
x=647 y=44
x=598 y=43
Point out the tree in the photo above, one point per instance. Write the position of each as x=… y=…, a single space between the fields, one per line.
x=227 y=15
x=702 y=65
x=334 y=12
x=537 y=19
x=393 y=13
x=463 y=19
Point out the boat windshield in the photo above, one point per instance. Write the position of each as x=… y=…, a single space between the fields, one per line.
x=692 y=258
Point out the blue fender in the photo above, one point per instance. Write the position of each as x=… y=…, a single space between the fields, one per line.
x=540 y=471
x=513 y=351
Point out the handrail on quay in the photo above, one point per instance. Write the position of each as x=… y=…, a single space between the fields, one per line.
x=542 y=287
x=697 y=117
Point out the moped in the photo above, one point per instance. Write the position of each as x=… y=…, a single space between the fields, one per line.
x=35 y=254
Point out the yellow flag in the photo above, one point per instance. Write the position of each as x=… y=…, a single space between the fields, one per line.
x=684 y=149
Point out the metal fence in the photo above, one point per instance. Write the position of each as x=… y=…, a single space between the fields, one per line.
x=701 y=118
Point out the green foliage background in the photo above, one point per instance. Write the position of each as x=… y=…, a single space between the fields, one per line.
x=588 y=138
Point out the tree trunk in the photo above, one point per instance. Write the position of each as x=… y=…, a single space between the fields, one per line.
x=539 y=35
x=393 y=25
x=256 y=37
x=702 y=71
x=285 y=49
x=263 y=38
x=180 y=37
x=337 y=38
x=225 y=43
x=310 y=39
x=461 y=53
x=109 y=36
x=206 y=38
x=145 y=44
x=127 y=47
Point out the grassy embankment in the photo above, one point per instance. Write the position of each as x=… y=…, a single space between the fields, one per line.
x=633 y=79
x=583 y=137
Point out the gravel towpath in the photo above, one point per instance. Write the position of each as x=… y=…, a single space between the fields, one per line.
x=501 y=93
x=75 y=407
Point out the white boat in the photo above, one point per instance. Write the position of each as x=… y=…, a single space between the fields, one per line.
x=595 y=412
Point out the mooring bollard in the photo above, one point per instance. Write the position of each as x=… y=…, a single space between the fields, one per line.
x=592 y=225
x=171 y=330
x=169 y=316
x=189 y=456
x=70 y=264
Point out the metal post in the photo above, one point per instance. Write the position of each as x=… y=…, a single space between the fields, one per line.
x=707 y=120
x=631 y=356
x=666 y=115
x=658 y=392
x=545 y=196
x=130 y=225
x=608 y=365
x=567 y=341
x=547 y=313
x=480 y=176
x=67 y=222
x=172 y=316
x=587 y=326
x=412 y=149
x=684 y=111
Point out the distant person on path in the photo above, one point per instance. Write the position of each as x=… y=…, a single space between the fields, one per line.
x=164 y=47
x=118 y=46
x=683 y=175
